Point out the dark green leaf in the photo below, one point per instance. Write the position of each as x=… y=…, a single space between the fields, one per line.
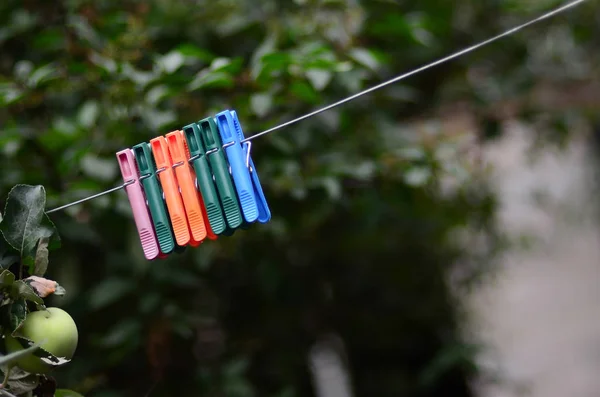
x=12 y=357
x=25 y=222
x=7 y=278
x=8 y=255
x=40 y=352
x=50 y=38
x=276 y=60
x=304 y=92
x=13 y=314
x=190 y=50
x=24 y=290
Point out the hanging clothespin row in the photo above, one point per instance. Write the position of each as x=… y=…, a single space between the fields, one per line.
x=154 y=197
x=193 y=183
x=192 y=200
x=170 y=187
x=141 y=216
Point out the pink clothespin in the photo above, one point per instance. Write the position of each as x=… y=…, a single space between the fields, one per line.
x=141 y=215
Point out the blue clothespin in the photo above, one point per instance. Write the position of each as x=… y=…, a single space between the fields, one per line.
x=237 y=162
x=264 y=213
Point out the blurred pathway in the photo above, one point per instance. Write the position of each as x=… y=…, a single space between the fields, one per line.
x=540 y=318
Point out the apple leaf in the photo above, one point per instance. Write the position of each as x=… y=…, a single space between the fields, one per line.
x=13 y=315
x=7 y=278
x=21 y=289
x=40 y=352
x=25 y=222
x=8 y=255
x=12 y=357
x=21 y=382
x=6 y=393
x=51 y=359
x=41 y=257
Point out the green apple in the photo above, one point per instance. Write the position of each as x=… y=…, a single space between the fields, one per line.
x=56 y=332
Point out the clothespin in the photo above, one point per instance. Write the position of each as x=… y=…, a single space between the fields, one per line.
x=192 y=201
x=141 y=216
x=220 y=169
x=170 y=188
x=264 y=213
x=237 y=162
x=154 y=199
x=205 y=179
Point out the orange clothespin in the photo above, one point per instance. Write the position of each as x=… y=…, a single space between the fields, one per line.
x=192 y=200
x=170 y=188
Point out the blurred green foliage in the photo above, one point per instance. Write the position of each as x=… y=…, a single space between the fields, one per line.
x=362 y=240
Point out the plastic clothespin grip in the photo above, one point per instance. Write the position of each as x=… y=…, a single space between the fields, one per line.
x=220 y=169
x=167 y=179
x=264 y=212
x=141 y=216
x=209 y=231
x=204 y=179
x=237 y=162
x=153 y=192
x=194 y=207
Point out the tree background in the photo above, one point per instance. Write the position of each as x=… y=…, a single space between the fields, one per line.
x=367 y=199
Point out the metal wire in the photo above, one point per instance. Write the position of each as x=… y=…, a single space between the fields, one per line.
x=114 y=189
x=359 y=94
x=418 y=70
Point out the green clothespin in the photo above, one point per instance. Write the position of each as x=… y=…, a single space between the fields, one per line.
x=204 y=179
x=209 y=134
x=153 y=193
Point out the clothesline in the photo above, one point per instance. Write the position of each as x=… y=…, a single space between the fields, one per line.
x=396 y=79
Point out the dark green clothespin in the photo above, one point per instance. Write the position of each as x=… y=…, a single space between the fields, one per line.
x=204 y=178
x=220 y=170
x=153 y=193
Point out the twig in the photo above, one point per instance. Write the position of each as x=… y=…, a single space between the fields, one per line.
x=6 y=376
